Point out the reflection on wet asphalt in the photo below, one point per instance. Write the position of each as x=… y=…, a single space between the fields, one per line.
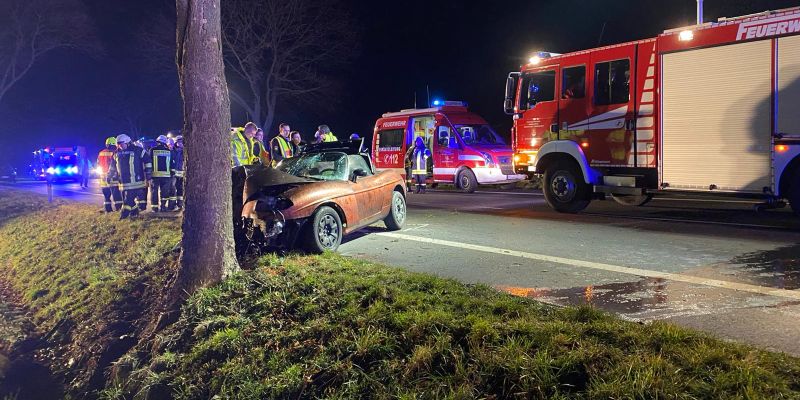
x=779 y=268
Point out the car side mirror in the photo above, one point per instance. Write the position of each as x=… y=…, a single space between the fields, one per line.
x=358 y=173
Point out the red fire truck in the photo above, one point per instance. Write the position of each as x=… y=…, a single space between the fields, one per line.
x=466 y=150
x=710 y=108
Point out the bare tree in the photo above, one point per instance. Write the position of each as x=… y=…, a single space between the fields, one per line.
x=283 y=49
x=207 y=247
x=29 y=29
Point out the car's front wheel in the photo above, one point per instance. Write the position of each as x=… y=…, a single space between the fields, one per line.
x=397 y=214
x=324 y=232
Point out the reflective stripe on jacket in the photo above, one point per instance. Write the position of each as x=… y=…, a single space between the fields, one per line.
x=241 y=149
x=130 y=168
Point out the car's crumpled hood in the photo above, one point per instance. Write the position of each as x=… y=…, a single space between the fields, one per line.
x=268 y=177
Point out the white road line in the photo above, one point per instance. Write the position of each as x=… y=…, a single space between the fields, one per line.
x=743 y=287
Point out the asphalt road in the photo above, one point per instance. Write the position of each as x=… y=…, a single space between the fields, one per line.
x=715 y=266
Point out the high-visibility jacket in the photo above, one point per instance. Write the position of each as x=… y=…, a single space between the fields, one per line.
x=104 y=160
x=130 y=168
x=241 y=149
x=177 y=165
x=419 y=161
x=260 y=154
x=329 y=137
x=162 y=159
x=280 y=148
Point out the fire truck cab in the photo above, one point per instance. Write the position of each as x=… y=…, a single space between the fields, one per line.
x=465 y=150
x=709 y=108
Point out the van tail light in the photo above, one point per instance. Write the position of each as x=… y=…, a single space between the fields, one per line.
x=781 y=148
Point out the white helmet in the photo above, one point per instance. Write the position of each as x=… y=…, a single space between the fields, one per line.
x=161 y=139
x=123 y=138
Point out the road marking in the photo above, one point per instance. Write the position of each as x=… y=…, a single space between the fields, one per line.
x=743 y=287
x=418 y=226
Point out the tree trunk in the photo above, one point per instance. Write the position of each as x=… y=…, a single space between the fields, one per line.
x=208 y=253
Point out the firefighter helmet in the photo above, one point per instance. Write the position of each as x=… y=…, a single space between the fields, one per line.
x=161 y=139
x=123 y=138
x=170 y=142
x=111 y=141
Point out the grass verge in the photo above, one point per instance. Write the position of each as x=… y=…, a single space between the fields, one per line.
x=335 y=327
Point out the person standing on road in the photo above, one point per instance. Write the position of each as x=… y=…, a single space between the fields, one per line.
x=279 y=145
x=84 y=168
x=131 y=169
x=298 y=145
x=419 y=163
x=260 y=153
x=177 y=175
x=163 y=162
x=110 y=189
x=242 y=144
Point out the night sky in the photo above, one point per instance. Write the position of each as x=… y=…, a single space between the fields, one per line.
x=462 y=50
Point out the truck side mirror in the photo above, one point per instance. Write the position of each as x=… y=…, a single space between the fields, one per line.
x=511 y=91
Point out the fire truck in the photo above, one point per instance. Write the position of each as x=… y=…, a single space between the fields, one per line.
x=465 y=150
x=710 y=108
x=58 y=164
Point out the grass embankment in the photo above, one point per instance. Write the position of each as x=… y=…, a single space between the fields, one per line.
x=334 y=327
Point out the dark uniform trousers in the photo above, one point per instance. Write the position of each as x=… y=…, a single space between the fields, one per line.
x=161 y=188
x=134 y=200
x=177 y=193
x=112 y=192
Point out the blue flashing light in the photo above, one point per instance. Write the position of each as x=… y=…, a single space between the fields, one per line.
x=438 y=103
x=50 y=170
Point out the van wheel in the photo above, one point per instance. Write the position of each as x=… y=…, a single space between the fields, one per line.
x=564 y=189
x=325 y=231
x=397 y=214
x=632 y=200
x=466 y=181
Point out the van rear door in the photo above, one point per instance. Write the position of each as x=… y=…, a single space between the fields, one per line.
x=389 y=145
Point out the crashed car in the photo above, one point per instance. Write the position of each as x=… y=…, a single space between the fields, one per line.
x=313 y=200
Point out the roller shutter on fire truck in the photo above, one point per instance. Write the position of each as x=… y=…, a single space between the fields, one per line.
x=716 y=105
x=788 y=83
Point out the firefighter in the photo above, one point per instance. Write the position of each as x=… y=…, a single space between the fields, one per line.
x=242 y=144
x=131 y=169
x=163 y=162
x=109 y=188
x=280 y=146
x=419 y=163
x=177 y=175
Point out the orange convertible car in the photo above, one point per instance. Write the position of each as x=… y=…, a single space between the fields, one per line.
x=312 y=201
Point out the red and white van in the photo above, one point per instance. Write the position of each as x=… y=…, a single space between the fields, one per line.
x=466 y=150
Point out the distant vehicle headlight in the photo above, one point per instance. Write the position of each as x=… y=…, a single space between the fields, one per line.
x=51 y=170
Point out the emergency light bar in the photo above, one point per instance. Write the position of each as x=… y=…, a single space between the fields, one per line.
x=539 y=56
x=444 y=103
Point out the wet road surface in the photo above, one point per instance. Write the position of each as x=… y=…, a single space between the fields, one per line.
x=712 y=265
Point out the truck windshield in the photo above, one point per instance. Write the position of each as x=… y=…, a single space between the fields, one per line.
x=330 y=166
x=479 y=134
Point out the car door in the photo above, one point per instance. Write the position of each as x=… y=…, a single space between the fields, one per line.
x=573 y=103
x=366 y=190
x=445 y=152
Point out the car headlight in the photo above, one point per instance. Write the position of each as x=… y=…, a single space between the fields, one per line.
x=488 y=159
x=272 y=203
x=51 y=170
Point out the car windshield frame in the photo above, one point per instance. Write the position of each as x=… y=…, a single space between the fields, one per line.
x=480 y=130
x=305 y=165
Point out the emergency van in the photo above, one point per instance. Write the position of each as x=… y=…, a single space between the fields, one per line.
x=710 y=108
x=465 y=150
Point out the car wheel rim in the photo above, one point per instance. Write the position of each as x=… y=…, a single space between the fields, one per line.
x=465 y=182
x=399 y=209
x=563 y=187
x=328 y=231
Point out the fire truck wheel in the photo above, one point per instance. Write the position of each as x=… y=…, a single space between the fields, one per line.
x=564 y=189
x=794 y=195
x=397 y=215
x=323 y=231
x=632 y=200
x=466 y=181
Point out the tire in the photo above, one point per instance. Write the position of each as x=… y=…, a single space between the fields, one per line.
x=632 y=200
x=794 y=194
x=564 y=189
x=324 y=232
x=466 y=181
x=397 y=213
